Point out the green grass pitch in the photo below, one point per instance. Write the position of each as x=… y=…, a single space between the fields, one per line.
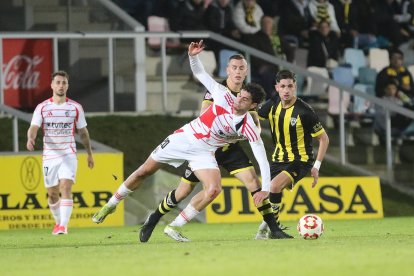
x=348 y=247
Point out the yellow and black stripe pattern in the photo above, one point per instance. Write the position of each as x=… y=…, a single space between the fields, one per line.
x=168 y=203
x=292 y=129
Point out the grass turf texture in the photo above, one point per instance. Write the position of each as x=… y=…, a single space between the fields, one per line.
x=351 y=247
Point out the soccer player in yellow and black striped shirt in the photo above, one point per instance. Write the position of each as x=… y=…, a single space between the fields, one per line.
x=293 y=124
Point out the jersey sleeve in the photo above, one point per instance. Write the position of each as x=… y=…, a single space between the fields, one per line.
x=80 y=120
x=264 y=110
x=250 y=130
x=314 y=123
x=215 y=89
x=37 y=118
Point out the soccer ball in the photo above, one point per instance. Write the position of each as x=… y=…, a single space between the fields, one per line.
x=310 y=227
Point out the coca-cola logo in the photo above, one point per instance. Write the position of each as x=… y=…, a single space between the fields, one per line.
x=27 y=67
x=20 y=72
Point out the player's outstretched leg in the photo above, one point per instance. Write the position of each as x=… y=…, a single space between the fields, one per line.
x=148 y=227
x=174 y=233
x=110 y=207
x=100 y=216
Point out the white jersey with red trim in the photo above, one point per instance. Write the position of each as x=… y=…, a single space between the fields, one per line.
x=59 y=122
x=218 y=126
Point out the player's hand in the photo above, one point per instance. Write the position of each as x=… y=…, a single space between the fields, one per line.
x=195 y=48
x=259 y=197
x=91 y=163
x=315 y=175
x=30 y=144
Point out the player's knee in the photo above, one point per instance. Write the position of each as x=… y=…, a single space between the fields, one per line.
x=53 y=196
x=213 y=191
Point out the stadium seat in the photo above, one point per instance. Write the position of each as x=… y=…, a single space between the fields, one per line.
x=316 y=87
x=378 y=59
x=224 y=55
x=300 y=82
x=356 y=58
x=160 y=24
x=367 y=76
x=361 y=105
x=344 y=76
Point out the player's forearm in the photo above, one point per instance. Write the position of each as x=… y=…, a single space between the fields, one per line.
x=84 y=136
x=261 y=158
x=32 y=132
x=323 y=146
x=200 y=73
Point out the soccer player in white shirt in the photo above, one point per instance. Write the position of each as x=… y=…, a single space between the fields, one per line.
x=226 y=120
x=58 y=117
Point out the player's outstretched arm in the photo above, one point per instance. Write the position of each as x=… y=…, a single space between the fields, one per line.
x=259 y=153
x=195 y=48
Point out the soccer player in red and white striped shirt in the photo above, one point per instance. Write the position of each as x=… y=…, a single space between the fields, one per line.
x=59 y=117
x=225 y=121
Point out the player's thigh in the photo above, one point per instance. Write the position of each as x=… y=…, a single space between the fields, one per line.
x=249 y=178
x=67 y=170
x=51 y=172
x=280 y=181
x=210 y=178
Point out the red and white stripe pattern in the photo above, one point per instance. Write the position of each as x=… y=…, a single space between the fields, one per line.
x=59 y=123
x=217 y=125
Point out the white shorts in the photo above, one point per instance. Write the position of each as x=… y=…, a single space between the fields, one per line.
x=178 y=148
x=59 y=168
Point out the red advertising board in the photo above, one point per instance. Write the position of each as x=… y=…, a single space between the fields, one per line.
x=27 y=68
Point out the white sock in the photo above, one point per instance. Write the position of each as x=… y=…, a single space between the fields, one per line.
x=263 y=226
x=185 y=216
x=55 y=210
x=66 y=207
x=119 y=195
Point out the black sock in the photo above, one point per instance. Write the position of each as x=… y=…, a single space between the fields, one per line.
x=275 y=201
x=166 y=205
x=266 y=211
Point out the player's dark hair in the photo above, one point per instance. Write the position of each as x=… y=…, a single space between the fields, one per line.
x=285 y=74
x=60 y=73
x=257 y=92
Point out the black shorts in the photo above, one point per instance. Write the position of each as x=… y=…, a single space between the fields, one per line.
x=296 y=169
x=231 y=157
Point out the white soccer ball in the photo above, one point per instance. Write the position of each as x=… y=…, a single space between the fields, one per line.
x=310 y=227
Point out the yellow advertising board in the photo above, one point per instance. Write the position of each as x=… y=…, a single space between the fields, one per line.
x=332 y=198
x=23 y=196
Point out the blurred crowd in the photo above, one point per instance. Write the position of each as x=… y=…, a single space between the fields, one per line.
x=324 y=28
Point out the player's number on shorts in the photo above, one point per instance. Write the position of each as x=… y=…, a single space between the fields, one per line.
x=46 y=170
x=165 y=143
